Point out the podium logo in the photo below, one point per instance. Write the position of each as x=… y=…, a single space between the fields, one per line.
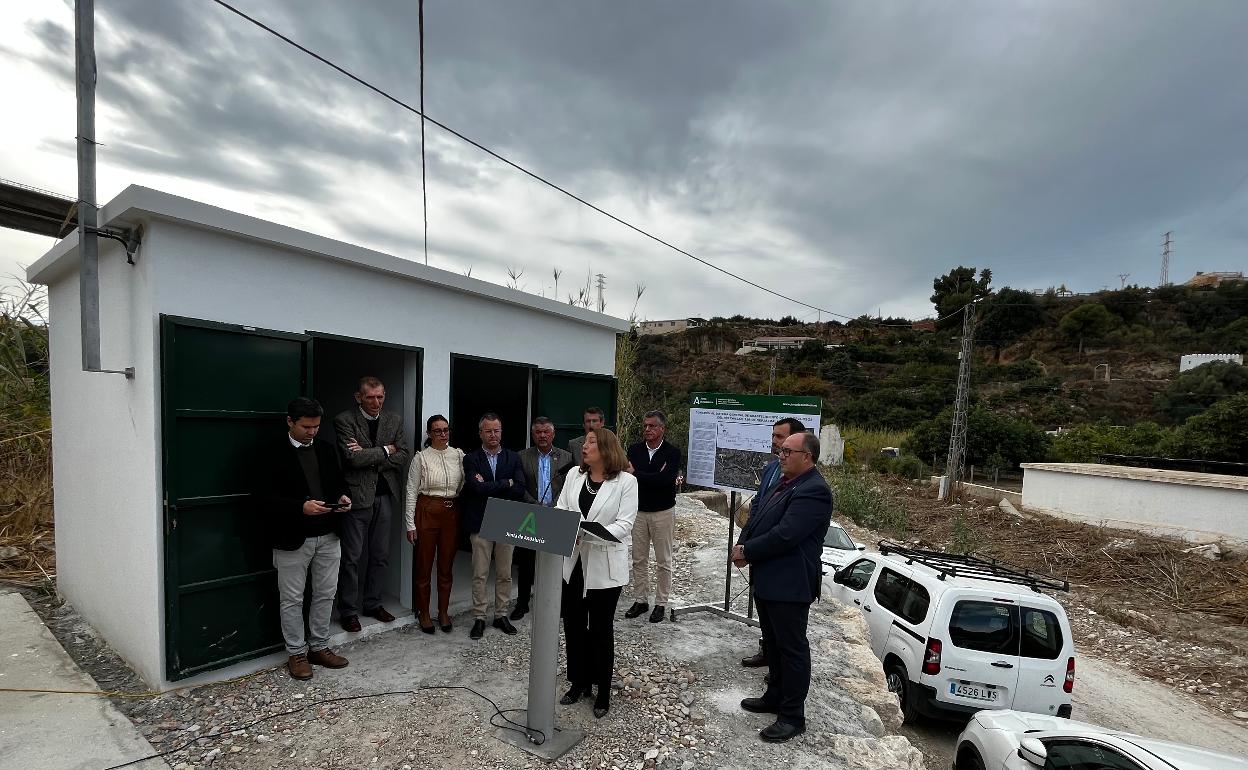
x=528 y=530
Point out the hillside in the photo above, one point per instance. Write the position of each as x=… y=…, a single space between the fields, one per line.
x=1040 y=359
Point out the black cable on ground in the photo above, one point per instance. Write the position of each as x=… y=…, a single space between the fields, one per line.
x=508 y=724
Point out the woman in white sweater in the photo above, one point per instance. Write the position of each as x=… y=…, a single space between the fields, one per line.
x=597 y=571
x=434 y=481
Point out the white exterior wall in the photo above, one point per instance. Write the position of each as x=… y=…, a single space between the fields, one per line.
x=1201 y=507
x=1200 y=359
x=106 y=429
x=106 y=464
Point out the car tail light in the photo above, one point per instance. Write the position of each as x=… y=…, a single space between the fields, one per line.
x=1069 y=684
x=931 y=657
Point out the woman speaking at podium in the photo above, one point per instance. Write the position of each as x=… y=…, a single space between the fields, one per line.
x=597 y=571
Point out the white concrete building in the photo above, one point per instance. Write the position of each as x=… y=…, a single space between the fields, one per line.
x=225 y=318
x=1201 y=507
x=1200 y=359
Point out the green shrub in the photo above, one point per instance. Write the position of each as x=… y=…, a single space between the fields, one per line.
x=863 y=500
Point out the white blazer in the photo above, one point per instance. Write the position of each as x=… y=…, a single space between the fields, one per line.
x=603 y=564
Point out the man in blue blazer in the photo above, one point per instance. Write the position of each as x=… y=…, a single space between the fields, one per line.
x=491 y=471
x=767 y=484
x=782 y=543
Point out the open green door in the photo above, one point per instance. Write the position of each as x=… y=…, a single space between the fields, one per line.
x=563 y=397
x=224 y=394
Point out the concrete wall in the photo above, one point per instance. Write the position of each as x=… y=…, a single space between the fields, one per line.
x=1201 y=507
x=106 y=428
x=106 y=465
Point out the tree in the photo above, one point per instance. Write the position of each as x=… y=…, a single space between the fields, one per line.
x=1195 y=390
x=956 y=289
x=1088 y=320
x=987 y=434
x=1218 y=433
x=1006 y=316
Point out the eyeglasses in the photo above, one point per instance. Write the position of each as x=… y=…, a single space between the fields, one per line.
x=439 y=430
x=491 y=431
x=785 y=452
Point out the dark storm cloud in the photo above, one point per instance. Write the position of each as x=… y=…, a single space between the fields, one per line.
x=846 y=152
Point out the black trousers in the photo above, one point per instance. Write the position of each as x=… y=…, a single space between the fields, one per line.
x=526 y=564
x=589 y=632
x=788 y=657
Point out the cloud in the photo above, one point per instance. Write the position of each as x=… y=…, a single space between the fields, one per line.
x=842 y=153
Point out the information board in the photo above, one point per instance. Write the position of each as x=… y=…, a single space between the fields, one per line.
x=730 y=436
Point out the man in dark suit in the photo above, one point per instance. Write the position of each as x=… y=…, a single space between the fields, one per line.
x=545 y=467
x=592 y=419
x=767 y=482
x=374 y=452
x=299 y=490
x=491 y=471
x=782 y=543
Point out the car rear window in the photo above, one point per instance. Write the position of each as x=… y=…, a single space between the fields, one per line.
x=984 y=626
x=1042 y=635
x=902 y=596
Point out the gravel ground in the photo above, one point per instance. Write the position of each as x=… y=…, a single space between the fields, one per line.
x=674 y=701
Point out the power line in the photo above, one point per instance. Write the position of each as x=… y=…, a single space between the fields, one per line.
x=533 y=175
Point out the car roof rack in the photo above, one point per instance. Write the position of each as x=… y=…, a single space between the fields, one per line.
x=974 y=567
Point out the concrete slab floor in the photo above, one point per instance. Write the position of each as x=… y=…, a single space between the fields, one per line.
x=54 y=731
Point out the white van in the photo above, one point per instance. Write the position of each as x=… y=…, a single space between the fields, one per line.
x=958 y=633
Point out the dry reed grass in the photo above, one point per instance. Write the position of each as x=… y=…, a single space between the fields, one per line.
x=27 y=555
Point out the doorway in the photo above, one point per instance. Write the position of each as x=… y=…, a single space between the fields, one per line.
x=481 y=385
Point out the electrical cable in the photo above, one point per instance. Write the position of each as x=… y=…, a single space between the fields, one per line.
x=503 y=159
x=424 y=189
x=509 y=724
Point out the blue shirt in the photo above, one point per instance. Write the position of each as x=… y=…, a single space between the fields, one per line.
x=492 y=459
x=543 y=477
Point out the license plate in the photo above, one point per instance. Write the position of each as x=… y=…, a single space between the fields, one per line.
x=975 y=692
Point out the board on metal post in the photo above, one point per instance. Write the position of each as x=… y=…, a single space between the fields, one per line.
x=552 y=533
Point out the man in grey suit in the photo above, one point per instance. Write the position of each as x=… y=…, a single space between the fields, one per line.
x=374 y=453
x=545 y=468
x=593 y=418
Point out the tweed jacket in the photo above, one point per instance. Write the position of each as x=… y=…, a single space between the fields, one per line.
x=363 y=468
x=560 y=464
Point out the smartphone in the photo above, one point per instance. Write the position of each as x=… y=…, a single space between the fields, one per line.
x=337 y=506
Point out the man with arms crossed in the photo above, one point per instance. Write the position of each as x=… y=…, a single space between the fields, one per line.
x=490 y=471
x=656 y=465
x=374 y=453
x=782 y=542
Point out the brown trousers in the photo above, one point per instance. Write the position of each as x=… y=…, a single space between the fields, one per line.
x=437 y=532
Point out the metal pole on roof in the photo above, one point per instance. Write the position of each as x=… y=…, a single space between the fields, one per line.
x=88 y=214
x=88 y=244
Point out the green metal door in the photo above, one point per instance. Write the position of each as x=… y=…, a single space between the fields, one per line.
x=224 y=395
x=563 y=397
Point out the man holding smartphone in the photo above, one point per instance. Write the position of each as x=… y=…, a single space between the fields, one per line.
x=299 y=496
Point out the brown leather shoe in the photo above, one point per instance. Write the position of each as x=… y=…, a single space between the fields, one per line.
x=327 y=658
x=299 y=667
x=350 y=623
x=380 y=614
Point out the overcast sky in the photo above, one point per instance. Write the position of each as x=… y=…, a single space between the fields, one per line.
x=843 y=153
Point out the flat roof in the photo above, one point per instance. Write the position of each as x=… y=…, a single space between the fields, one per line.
x=1189 y=478
x=137 y=203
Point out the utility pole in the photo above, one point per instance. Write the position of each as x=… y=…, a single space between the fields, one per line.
x=602 y=284
x=88 y=245
x=1166 y=242
x=955 y=468
x=1122 y=278
x=771 y=380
